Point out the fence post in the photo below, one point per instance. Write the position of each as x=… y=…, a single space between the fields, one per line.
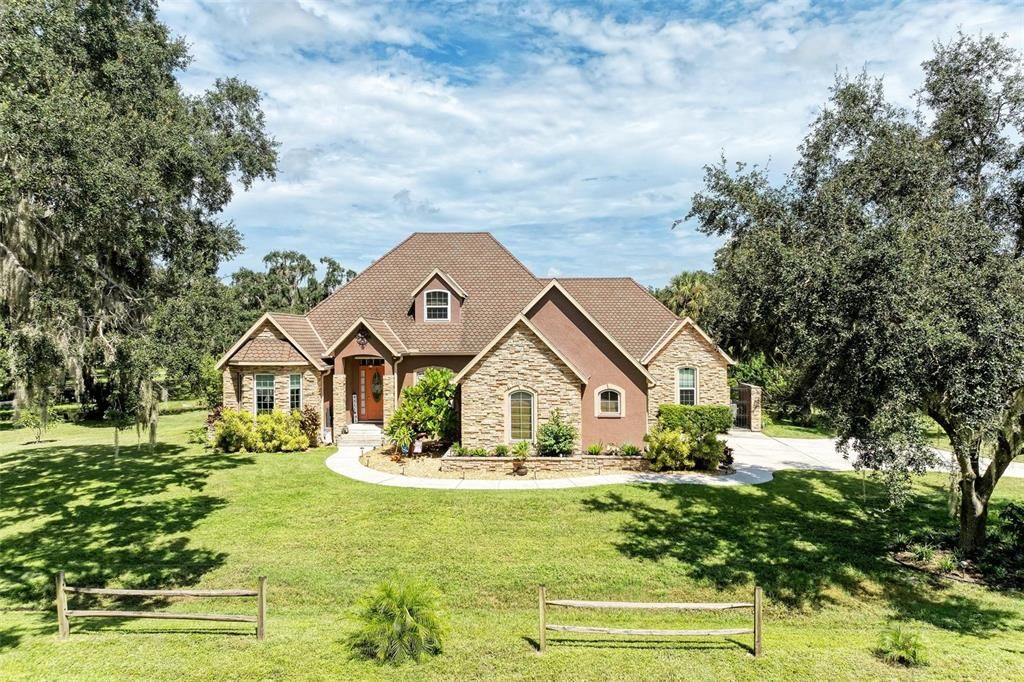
x=757 y=621
x=261 y=608
x=63 y=628
x=541 y=600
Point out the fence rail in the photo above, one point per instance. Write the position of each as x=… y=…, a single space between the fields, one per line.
x=756 y=605
x=64 y=614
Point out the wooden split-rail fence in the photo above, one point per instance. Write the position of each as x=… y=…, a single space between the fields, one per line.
x=545 y=627
x=64 y=614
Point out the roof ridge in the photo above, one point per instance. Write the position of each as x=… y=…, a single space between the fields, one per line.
x=365 y=270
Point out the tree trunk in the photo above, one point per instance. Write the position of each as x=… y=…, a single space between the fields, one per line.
x=973 y=517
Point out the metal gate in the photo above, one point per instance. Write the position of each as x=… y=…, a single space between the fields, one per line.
x=741 y=406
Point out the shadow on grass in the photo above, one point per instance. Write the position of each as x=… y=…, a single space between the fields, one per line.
x=802 y=537
x=102 y=519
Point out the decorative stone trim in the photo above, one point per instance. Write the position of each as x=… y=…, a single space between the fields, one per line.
x=577 y=463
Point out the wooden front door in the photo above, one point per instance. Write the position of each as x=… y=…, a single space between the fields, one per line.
x=371 y=393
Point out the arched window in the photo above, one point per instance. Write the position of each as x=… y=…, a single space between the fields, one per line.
x=520 y=418
x=609 y=401
x=437 y=303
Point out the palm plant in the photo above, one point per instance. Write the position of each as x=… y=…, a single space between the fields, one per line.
x=400 y=622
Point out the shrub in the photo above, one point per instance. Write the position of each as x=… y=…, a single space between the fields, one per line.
x=29 y=419
x=612 y=450
x=1002 y=558
x=630 y=450
x=501 y=451
x=706 y=451
x=557 y=437
x=197 y=436
x=695 y=420
x=278 y=432
x=309 y=423
x=457 y=450
x=898 y=645
x=233 y=431
x=426 y=409
x=477 y=452
x=667 y=449
x=521 y=450
x=271 y=432
x=399 y=622
x=595 y=449
x=947 y=564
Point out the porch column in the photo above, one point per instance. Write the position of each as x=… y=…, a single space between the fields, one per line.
x=338 y=398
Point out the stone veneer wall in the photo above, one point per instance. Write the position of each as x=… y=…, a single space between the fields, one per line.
x=687 y=349
x=578 y=463
x=389 y=396
x=310 y=386
x=519 y=360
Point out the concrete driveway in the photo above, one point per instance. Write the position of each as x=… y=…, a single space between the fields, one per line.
x=762 y=452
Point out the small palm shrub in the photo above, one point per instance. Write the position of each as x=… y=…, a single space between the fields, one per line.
x=501 y=450
x=595 y=449
x=521 y=450
x=897 y=645
x=630 y=450
x=457 y=450
x=399 y=622
x=612 y=450
x=477 y=452
x=557 y=437
x=667 y=449
x=922 y=552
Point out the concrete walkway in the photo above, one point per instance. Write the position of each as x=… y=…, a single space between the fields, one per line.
x=758 y=457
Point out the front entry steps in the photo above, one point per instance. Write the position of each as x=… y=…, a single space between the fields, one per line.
x=363 y=435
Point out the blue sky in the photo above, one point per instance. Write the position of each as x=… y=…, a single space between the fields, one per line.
x=575 y=132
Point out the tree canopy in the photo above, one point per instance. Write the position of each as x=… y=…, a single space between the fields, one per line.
x=111 y=177
x=888 y=267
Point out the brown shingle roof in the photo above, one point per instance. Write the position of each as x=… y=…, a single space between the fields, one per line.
x=626 y=310
x=497 y=283
x=266 y=348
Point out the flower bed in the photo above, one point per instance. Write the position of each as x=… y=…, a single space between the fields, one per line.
x=589 y=463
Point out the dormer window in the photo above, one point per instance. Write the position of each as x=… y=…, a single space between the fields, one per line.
x=437 y=305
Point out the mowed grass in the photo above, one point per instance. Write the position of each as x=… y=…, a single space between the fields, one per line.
x=184 y=516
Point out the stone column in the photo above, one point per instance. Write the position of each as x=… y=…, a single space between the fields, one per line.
x=230 y=397
x=389 y=395
x=338 y=398
x=755 y=407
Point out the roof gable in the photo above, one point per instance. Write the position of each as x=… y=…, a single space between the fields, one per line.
x=670 y=334
x=270 y=319
x=447 y=279
x=520 y=319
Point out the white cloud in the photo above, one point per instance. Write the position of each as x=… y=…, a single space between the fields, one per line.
x=576 y=137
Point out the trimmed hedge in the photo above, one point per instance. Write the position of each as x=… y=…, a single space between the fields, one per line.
x=695 y=419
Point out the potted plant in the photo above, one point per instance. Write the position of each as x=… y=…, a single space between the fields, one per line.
x=520 y=451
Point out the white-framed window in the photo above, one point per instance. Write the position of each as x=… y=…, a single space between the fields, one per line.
x=437 y=305
x=264 y=393
x=609 y=401
x=295 y=392
x=686 y=385
x=520 y=415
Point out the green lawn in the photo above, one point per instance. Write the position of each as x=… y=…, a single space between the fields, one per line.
x=787 y=429
x=182 y=516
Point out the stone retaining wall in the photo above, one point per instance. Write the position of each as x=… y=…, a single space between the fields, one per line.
x=589 y=463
